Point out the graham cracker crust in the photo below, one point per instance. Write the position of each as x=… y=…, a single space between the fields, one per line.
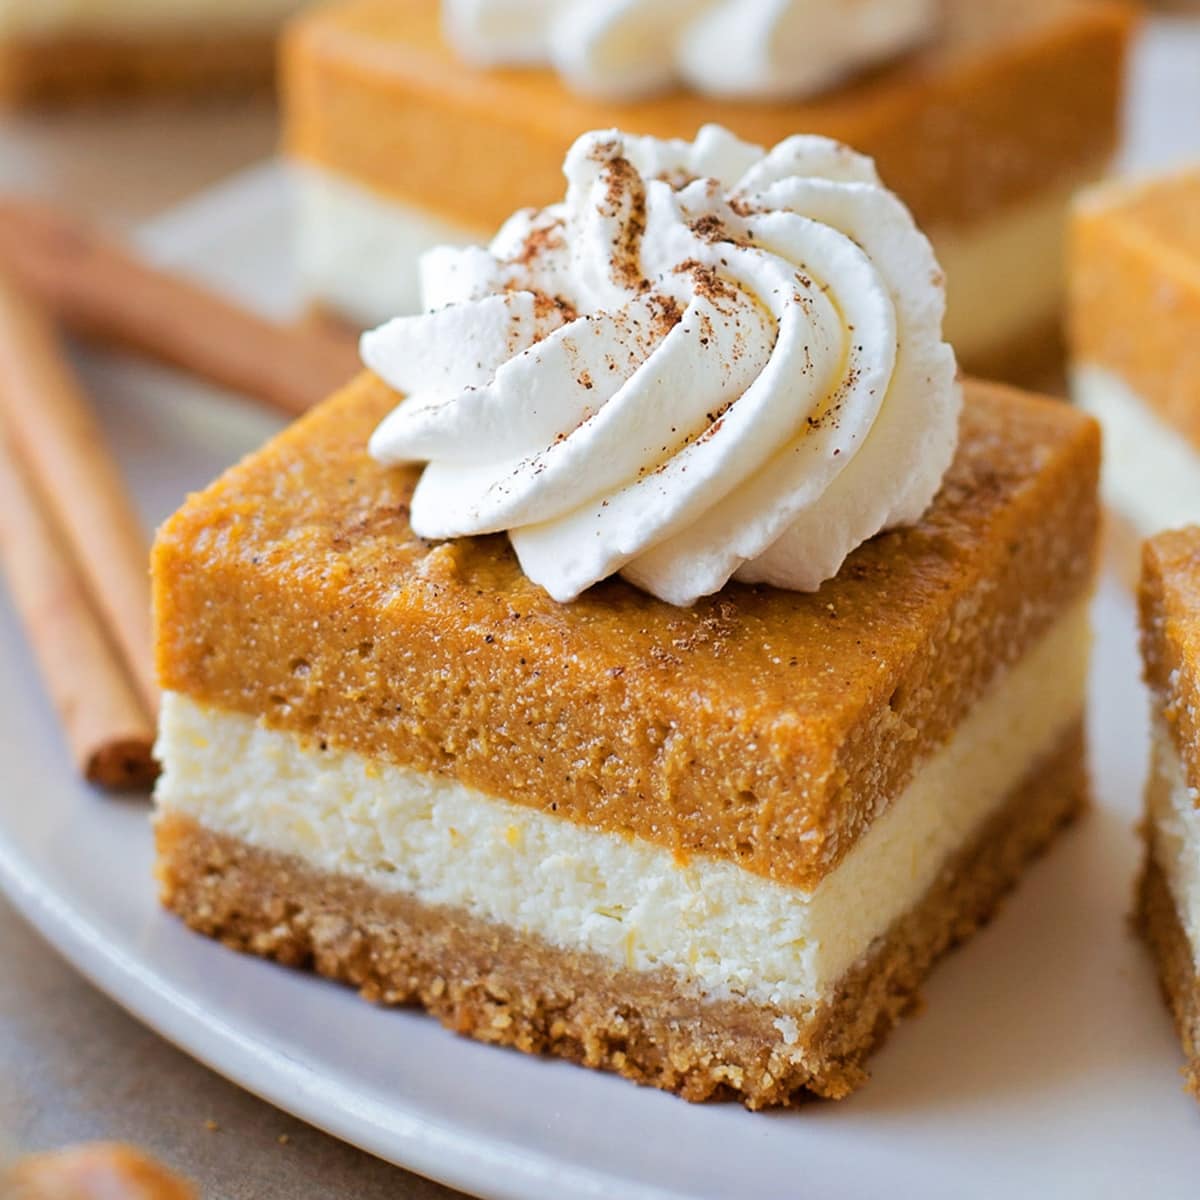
x=76 y=68
x=1158 y=922
x=495 y=984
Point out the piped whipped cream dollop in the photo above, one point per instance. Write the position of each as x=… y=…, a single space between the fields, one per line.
x=753 y=48
x=709 y=362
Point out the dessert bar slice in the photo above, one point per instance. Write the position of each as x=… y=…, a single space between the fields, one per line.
x=55 y=51
x=1168 y=910
x=985 y=133
x=1135 y=346
x=716 y=849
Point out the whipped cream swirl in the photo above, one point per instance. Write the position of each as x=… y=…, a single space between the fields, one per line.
x=753 y=48
x=707 y=363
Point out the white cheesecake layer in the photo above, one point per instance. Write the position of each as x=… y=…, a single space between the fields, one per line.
x=1006 y=274
x=1174 y=822
x=39 y=19
x=358 y=253
x=729 y=931
x=1151 y=472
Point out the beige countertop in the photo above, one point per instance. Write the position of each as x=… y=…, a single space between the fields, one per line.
x=73 y=1066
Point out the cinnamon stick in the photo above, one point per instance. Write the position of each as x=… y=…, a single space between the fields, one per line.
x=99 y=1171
x=52 y=424
x=103 y=292
x=110 y=736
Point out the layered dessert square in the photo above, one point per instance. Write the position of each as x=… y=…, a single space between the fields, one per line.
x=1168 y=905
x=1134 y=319
x=651 y=661
x=55 y=51
x=985 y=129
x=715 y=849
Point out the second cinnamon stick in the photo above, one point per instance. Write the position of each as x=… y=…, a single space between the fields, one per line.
x=101 y=290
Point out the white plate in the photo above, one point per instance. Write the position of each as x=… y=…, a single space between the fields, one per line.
x=1043 y=1063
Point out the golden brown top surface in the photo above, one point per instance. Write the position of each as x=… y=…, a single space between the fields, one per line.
x=1169 y=600
x=1135 y=291
x=1011 y=97
x=763 y=724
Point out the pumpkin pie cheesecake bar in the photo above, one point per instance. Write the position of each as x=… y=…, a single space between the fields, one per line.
x=1169 y=893
x=676 y=672
x=1135 y=346
x=54 y=51
x=412 y=126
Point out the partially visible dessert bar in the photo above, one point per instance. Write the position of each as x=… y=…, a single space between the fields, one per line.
x=1168 y=910
x=715 y=849
x=53 y=51
x=1134 y=320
